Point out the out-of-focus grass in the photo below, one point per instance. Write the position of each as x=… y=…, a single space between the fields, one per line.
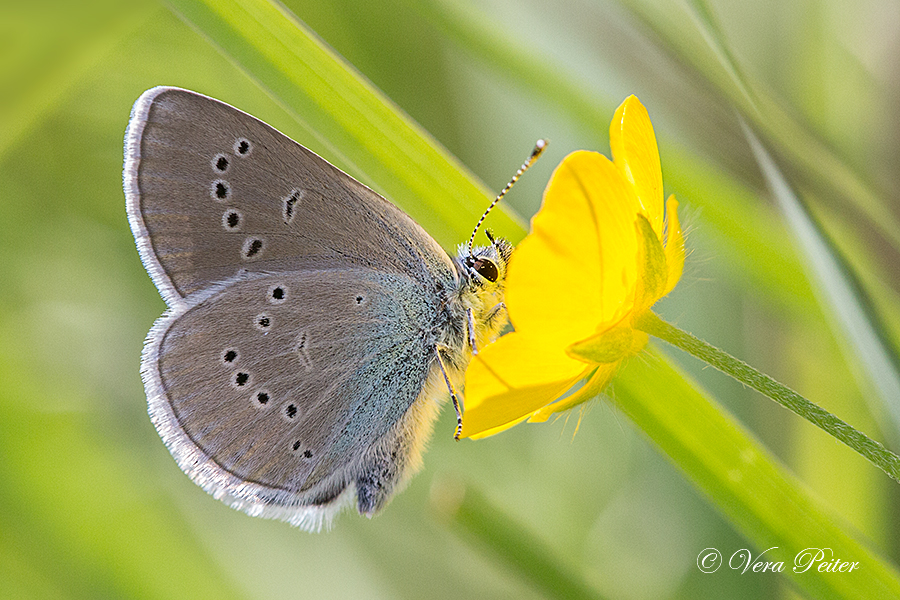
x=92 y=505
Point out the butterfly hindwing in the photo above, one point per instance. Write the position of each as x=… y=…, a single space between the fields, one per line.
x=284 y=390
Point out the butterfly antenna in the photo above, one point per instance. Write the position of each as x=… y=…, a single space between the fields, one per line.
x=535 y=154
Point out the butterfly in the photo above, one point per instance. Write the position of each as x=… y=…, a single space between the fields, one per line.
x=313 y=329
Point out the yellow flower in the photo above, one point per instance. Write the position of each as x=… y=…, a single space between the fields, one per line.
x=600 y=254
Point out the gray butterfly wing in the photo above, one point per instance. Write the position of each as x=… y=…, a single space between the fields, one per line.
x=281 y=393
x=318 y=402
x=212 y=191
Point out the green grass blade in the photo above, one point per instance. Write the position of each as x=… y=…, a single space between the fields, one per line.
x=375 y=139
x=819 y=165
x=840 y=294
x=41 y=80
x=712 y=35
x=474 y=518
x=76 y=513
x=745 y=482
x=509 y=57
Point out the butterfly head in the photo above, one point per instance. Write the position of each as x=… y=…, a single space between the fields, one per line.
x=484 y=267
x=482 y=280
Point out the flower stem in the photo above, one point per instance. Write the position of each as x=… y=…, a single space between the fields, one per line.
x=877 y=454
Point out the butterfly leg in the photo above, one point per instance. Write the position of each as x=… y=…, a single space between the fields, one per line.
x=471 y=316
x=491 y=315
x=453 y=395
x=494 y=312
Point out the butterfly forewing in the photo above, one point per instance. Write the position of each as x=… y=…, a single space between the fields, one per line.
x=213 y=191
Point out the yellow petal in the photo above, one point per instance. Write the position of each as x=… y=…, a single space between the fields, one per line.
x=592 y=388
x=495 y=430
x=513 y=377
x=674 y=245
x=634 y=149
x=575 y=272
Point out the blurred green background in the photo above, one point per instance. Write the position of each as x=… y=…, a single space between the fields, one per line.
x=93 y=506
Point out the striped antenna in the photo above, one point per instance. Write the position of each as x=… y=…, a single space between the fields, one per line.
x=538 y=149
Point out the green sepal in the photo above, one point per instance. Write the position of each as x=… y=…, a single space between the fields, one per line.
x=651 y=266
x=610 y=346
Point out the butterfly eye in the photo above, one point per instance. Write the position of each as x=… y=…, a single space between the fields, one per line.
x=486 y=269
